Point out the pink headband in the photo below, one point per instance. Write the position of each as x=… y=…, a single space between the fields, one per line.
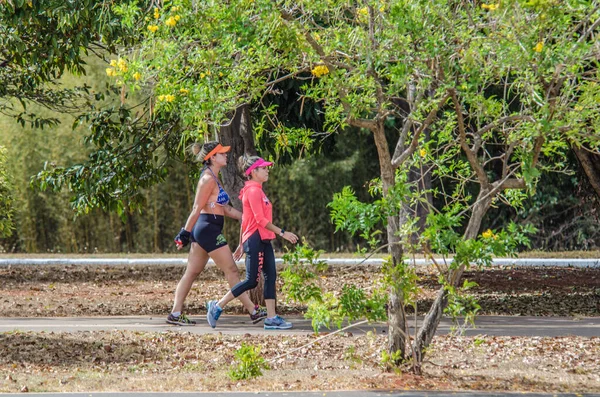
x=258 y=163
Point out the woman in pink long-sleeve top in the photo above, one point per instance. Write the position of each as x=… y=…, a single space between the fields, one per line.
x=256 y=234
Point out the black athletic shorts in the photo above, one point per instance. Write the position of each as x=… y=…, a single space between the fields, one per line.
x=208 y=232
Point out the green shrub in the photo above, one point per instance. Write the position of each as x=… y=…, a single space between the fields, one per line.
x=249 y=364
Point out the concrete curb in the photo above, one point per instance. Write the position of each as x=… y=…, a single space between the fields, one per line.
x=524 y=262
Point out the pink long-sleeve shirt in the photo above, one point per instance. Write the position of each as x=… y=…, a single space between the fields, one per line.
x=257 y=211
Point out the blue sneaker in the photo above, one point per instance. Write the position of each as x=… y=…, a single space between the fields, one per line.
x=277 y=323
x=213 y=312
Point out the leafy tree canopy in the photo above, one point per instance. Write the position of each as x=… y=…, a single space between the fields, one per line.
x=40 y=40
x=509 y=81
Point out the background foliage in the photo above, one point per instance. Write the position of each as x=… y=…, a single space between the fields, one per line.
x=563 y=207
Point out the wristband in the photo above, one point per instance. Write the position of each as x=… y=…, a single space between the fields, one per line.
x=282 y=232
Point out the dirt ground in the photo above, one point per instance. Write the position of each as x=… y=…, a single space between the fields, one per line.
x=173 y=361
x=59 y=291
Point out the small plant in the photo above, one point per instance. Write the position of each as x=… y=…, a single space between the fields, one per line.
x=249 y=363
x=301 y=275
x=302 y=284
x=461 y=304
x=389 y=360
x=350 y=355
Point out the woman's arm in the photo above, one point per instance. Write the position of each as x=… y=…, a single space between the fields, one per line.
x=239 y=251
x=232 y=212
x=203 y=191
x=289 y=236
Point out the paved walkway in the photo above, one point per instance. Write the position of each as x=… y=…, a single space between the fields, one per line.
x=239 y=325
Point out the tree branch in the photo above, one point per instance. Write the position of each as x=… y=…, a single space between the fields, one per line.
x=287 y=76
x=501 y=121
x=362 y=123
x=398 y=157
x=588 y=32
x=471 y=156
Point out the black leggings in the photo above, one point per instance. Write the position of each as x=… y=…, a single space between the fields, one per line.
x=259 y=256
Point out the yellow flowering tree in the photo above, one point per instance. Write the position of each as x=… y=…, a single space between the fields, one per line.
x=480 y=95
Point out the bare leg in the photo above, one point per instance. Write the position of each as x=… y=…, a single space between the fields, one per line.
x=270 y=308
x=197 y=260
x=224 y=260
x=228 y=298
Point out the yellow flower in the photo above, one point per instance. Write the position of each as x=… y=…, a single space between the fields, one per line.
x=202 y=75
x=320 y=70
x=220 y=74
x=422 y=152
x=152 y=28
x=113 y=62
x=156 y=13
x=363 y=12
x=161 y=98
x=487 y=234
x=169 y=98
x=184 y=91
x=122 y=65
x=539 y=47
x=317 y=37
x=137 y=76
x=175 y=8
x=177 y=18
x=171 y=22
x=490 y=7
x=110 y=72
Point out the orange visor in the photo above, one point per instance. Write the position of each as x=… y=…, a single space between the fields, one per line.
x=218 y=149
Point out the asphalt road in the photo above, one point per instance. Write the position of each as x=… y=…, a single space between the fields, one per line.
x=236 y=324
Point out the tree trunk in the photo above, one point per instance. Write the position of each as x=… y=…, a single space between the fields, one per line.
x=590 y=162
x=396 y=314
x=434 y=315
x=423 y=178
x=429 y=327
x=238 y=134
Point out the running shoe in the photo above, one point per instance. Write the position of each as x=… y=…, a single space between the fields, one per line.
x=182 y=319
x=213 y=312
x=261 y=314
x=277 y=323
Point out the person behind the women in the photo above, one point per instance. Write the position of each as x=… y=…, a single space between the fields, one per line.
x=204 y=228
x=256 y=234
